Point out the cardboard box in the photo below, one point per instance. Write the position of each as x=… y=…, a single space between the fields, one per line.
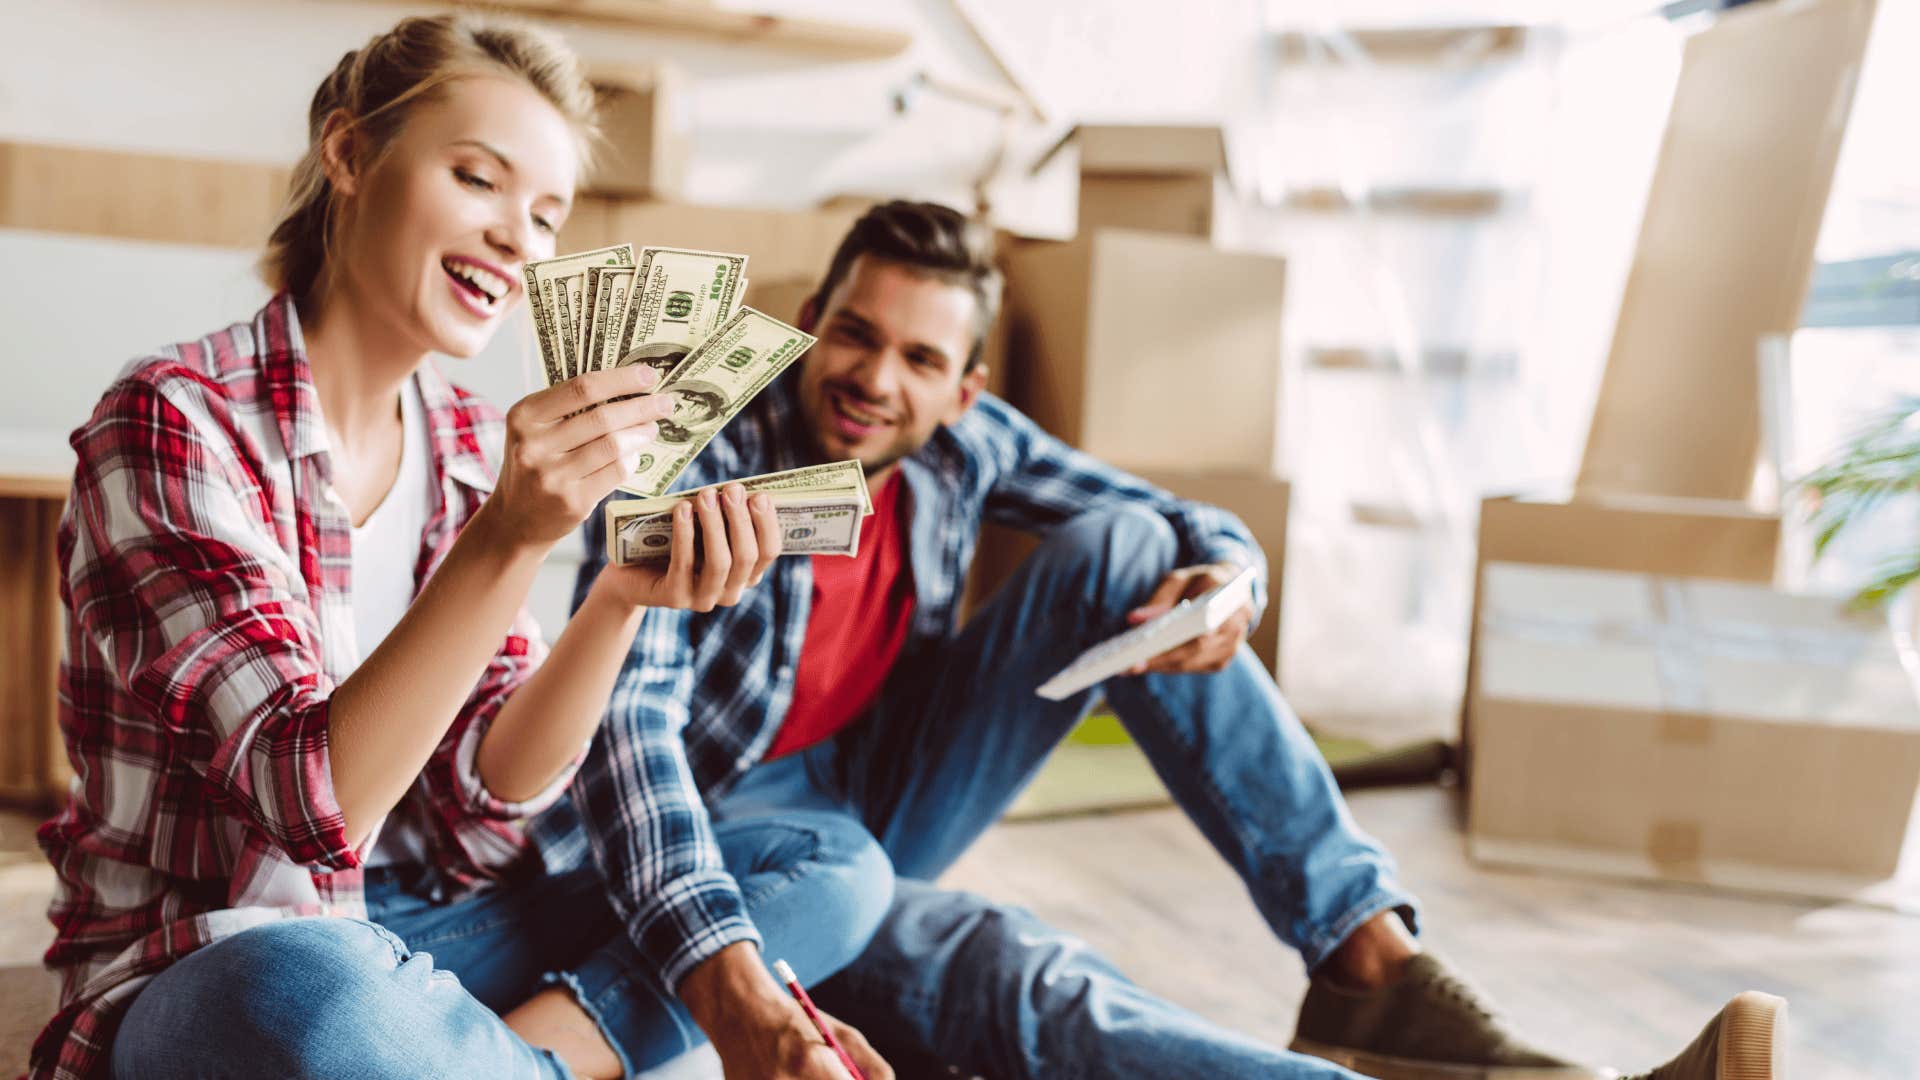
x=1162 y=178
x=782 y=298
x=643 y=123
x=1147 y=350
x=1643 y=703
x=34 y=770
x=134 y=196
x=1726 y=247
x=779 y=244
x=1260 y=500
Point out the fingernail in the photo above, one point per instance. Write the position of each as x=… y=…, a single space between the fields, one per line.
x=736 y=494
x=707 y=499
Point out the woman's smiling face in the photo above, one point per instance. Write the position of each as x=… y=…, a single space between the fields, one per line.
x=435 y=230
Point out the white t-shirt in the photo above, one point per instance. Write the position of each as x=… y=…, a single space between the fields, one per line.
x=386 y=550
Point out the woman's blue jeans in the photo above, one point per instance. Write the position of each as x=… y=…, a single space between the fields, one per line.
x=416 y=990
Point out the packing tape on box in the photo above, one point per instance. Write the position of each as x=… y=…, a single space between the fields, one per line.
x=1674 y=847
x=1686 y=729
x=1679 y=638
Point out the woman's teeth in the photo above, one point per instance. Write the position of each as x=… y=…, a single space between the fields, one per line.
x=489 y=285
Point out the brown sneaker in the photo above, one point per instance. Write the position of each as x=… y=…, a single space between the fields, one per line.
x=1746 y=1041
x=1431 y=1025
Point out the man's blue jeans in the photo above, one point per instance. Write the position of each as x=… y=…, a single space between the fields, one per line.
x=416 y=990
x=954 y=738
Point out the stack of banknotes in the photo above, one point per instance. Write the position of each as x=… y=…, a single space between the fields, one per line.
x=680 y=312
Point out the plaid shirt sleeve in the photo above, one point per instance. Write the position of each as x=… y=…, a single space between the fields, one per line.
x=1037 y=482
x=172 y=537
x=644 y=817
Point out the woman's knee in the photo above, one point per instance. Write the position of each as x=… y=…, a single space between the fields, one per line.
x=277 y=990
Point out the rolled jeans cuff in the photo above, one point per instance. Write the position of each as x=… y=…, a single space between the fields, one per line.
x=1324 y=943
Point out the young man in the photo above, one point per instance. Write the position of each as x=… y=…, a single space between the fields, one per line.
x=845 y=686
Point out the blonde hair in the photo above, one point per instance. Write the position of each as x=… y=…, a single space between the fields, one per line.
x=377 y=85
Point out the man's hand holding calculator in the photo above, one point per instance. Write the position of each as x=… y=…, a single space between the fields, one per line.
x=1209 y=652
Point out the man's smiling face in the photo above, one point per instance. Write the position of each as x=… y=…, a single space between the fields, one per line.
x=891 y=364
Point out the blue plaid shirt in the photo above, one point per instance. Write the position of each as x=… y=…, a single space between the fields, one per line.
x=703 y=695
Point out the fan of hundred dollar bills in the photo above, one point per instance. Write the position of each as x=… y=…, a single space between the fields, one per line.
x=679 y=312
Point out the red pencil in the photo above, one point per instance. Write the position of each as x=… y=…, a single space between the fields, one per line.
x=787 y=976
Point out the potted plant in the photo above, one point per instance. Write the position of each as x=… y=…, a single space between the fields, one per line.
x=1880 y=462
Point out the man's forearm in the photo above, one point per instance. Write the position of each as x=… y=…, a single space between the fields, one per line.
x=544 y=725
x=735 y=1000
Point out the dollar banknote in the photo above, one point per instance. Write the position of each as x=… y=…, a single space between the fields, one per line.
x=553 y=287
x=607 y=290
x=809 y=525
x=837 y=477
x=678 y=299
x=573 y=308
x=710 y=386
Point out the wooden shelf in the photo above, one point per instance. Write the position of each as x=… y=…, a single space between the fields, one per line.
x=124 y=195
x=678 y=18
x=133 y=196
x=35 y=464
x=1427 y=202
x=1410 y=44
x=1383 y=515
x=1440 y=361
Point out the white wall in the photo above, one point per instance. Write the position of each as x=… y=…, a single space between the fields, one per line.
x=231 y=79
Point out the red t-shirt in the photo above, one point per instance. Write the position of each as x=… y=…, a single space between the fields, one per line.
x=861 y=608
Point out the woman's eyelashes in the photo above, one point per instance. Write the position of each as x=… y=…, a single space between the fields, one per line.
x=473 y=180
x=480 y=183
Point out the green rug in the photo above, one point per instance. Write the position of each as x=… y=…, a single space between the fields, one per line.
x=1099 y=768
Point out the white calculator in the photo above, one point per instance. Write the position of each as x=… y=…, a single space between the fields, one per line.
x=1180 y=624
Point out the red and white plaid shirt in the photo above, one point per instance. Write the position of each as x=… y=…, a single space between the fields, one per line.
x=205 y=572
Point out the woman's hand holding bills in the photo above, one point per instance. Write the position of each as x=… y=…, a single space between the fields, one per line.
x=738 y=538
x=568 y=445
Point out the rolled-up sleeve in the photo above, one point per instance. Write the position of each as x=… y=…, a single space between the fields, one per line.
x=177 y=579
x=454 y=766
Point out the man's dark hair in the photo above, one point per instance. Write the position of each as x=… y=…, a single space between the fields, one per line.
x=930 y=239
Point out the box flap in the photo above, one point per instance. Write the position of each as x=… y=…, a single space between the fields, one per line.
x=1145 y=149
x=1725 y=248
x=1703 y=538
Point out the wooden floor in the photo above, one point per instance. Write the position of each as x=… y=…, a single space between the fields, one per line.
x=1616 y=974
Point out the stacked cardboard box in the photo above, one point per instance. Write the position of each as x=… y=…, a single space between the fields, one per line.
x=781 y=244
x=1641 y=700
x=1144 y=344
x=1157 y=177
x=1149 y=350
x=644 y=132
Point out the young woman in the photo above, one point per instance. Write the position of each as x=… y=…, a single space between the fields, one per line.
x=299 y=679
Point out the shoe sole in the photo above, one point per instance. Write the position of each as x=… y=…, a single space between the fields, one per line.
x=1753 y=1038
x=1385 y=1067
